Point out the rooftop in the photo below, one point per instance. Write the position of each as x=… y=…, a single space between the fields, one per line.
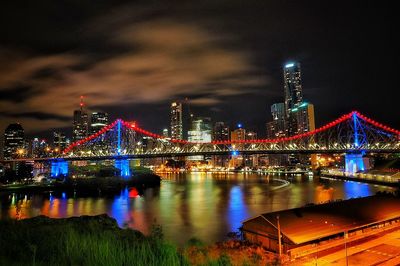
x=314 y=222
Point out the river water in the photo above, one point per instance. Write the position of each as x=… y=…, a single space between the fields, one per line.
x=202 y=205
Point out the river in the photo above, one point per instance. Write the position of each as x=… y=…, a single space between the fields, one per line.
x=202 y=205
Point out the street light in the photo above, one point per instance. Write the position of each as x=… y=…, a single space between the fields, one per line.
x=20 y=152
x=346 y=235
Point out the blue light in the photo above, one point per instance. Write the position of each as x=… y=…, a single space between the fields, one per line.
x=239 y=125
x=63 y=195
x=234 y=153
x=354 y=190
x=237 y=209
x=123 y=166
x=354 y=163
x=356 y=143
x=59 y=167
x=120 y=208
x=289 y=65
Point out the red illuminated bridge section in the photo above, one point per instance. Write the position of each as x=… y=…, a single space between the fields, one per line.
x=352 y=132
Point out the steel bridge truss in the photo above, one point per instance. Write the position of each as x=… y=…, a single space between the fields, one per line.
x=352 y=132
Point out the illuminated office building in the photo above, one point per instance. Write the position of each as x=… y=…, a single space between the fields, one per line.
x=176 y=120
x=220 y=132
x=14 y=142
x=292 y=86
x=98 y=121
x=80 y=127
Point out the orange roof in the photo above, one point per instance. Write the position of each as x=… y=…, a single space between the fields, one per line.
x=314 y=222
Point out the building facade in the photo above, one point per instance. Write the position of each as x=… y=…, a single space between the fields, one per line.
x=98 y=121
x=14 y=142
x=292 y=86
x=176 y=120
x=277 y=127
x=301 y=119
x=238 y=134
x=80 y=126
x=200 y=130
x=165 y=133
x=59 y=141
x=220 y=132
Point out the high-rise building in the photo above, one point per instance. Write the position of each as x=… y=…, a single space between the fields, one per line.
x=176 y=120
x=80 y=127
x=238 y=134
x=292 y=85
x=98 y=121
x=200 y=130
x=276 y=128
x=165 y=133
x=220 y=132
x=302 y=119
x=251 y=135
x=35 y=147
x=59 y=141
x=270 y=130
x=14 y=142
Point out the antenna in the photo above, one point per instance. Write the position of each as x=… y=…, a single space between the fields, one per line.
x=81 y=103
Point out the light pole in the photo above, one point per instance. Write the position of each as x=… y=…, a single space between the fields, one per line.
x=279 y=237
x=345 y=245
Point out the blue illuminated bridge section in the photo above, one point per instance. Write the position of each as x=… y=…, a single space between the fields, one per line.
x=352 y=134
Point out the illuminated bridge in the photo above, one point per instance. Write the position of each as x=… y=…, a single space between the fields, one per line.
x=353 y=134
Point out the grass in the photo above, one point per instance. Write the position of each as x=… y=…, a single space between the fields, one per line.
x=97 y=240
x=81 y=241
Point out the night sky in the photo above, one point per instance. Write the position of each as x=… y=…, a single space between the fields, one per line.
x=133 y=59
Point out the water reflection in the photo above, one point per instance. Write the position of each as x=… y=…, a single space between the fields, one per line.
x=237 y=208
x=204 y=205
x=356 y=189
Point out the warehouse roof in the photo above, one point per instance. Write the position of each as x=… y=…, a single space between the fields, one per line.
x=305 y=224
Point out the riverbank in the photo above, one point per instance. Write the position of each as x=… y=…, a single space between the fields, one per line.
x=364 y=178
x=88 y=186
x=97 y=240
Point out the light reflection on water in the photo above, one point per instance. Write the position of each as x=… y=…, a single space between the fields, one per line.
x=206 y=206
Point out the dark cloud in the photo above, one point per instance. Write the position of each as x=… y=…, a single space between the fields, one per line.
x=37 y=115
x=16 y=94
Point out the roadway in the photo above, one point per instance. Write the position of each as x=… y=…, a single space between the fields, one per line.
x=383 y=251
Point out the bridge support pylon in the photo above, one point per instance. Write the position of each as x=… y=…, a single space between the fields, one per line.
x=59 y=167
x=123 y=166
x=354 y=162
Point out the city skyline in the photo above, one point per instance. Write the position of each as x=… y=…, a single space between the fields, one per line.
x=49 y=68
x=199 y=133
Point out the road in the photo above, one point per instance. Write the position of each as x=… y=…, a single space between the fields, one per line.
x=383 y=251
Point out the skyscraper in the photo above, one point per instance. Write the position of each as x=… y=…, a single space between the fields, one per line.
x=14 y=142
x=220 y=132
x=59 y=141
x=200 y=130
x=176 y=120
x=165 y=133
x=98 y=121
x=292 y=85
x=238 y=134
x=304 y=118
x=80 y=127
x=35 y=147
x=277 y=127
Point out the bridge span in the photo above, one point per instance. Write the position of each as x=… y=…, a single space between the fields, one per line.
x=352 y=134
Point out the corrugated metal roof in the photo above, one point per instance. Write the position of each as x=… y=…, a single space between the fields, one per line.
x=314 y=222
